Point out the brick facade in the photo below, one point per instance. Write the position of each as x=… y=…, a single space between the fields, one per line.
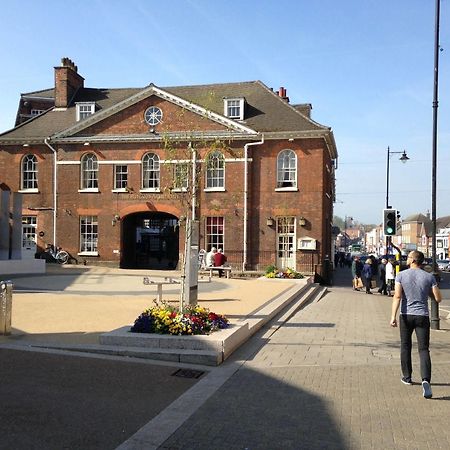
x=123 y=137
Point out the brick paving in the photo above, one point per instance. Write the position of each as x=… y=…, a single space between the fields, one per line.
x=328 y=378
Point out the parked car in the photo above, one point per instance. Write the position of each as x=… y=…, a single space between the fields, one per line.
x=443 y=264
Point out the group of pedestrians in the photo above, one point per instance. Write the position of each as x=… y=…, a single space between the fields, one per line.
x=411 y=290
x=366 y=275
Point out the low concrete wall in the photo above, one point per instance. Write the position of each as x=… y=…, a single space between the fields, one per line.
x=21 y=266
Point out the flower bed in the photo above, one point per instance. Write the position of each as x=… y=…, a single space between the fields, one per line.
x=273 y=272
x=167 y=319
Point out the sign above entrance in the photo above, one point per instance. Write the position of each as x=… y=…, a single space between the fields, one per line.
x=151 y=196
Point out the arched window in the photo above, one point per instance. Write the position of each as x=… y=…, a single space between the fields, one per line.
x=287 y=169
x=215 y=170
x=150 y=172
x=29 y=172
x=89 y=171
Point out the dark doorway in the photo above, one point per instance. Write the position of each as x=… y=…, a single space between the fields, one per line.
x=150 y=241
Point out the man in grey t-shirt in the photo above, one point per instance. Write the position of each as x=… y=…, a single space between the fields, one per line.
x=412 y=289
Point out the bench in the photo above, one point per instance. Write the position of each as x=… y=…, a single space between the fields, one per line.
x=226 y=269
x=159 y=284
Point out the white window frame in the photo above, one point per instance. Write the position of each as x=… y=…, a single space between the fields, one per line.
x=215 y=172
x=120 y=178
x=89 y=173
x=29 y=174
x=215 y=232
x=181 y=177
x=286 y=242
x=287 y=171
x=29 y=231
x=233 y=108
x=84 y=109
x=151 y=173
x=88 y=236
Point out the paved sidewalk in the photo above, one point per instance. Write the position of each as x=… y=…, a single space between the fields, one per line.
x=329 y=378
x=74 y=305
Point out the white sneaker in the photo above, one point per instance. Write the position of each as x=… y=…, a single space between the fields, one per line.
x=426 y=389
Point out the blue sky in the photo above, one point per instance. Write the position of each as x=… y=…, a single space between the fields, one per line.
x=365 y=65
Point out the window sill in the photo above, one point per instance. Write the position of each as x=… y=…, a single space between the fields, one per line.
x=29 y=191
x=217 y=189
x=124 y=190
x=150 y=190
x=286 y=189
x=179 y=190
x=91 y=190
x=87 y=254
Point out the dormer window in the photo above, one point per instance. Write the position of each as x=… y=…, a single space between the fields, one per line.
x=234 y=108
x=84 y=110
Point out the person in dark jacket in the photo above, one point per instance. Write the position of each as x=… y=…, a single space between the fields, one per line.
x=367 y=273
x=356 y=271
x=382 y=277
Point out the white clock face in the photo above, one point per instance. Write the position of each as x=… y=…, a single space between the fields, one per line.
x=153 y=115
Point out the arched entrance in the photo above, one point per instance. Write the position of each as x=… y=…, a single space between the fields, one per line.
x=150 y=240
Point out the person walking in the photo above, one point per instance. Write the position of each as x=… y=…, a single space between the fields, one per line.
x=412 y=289
x=390 y=276
x=367 y=273
x=382 y=276
x=356 y=271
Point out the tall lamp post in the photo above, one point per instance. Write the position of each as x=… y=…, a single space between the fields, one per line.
x=434 y=323
x=345 y=232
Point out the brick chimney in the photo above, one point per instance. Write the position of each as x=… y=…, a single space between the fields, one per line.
x=282 y=93
x=67 y=82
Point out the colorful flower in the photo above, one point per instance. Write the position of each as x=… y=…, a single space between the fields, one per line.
x=167 y=319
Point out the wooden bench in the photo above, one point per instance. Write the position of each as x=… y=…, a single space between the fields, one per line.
x=226 y=269
x=159 y=284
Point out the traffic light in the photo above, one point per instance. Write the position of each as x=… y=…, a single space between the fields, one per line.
x=390 y=222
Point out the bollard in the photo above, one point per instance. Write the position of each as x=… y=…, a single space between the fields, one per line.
x=6 y=288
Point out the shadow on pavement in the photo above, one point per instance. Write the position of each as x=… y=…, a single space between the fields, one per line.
x=254 y=410
x=53 y=401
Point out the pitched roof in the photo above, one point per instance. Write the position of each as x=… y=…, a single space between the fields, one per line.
x=443 y=222
x=44 y=93
x=419 y=217
x=265 y=111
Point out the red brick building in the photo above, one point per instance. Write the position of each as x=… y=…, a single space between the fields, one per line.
x=111 y=174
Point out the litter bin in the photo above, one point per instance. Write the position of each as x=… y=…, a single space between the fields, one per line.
x=6 y=288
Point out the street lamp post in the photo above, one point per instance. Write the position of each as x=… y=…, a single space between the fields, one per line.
x=403 y=159
x=345 y=232
x=434 y=322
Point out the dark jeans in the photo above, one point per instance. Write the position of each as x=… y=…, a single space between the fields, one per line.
x=367 y=283
x=383 y=287
x=421 y=325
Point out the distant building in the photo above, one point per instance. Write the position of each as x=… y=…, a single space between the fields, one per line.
x=442 y=237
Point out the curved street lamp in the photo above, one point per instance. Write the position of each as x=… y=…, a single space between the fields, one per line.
x=403 y=159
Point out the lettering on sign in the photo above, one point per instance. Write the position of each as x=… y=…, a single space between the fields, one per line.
x=154 y=197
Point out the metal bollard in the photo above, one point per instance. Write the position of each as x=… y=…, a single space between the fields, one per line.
x=6 y=288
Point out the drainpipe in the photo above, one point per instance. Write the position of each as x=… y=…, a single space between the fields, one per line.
x=194 y=180
x=54 y=188
x=246 y=146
